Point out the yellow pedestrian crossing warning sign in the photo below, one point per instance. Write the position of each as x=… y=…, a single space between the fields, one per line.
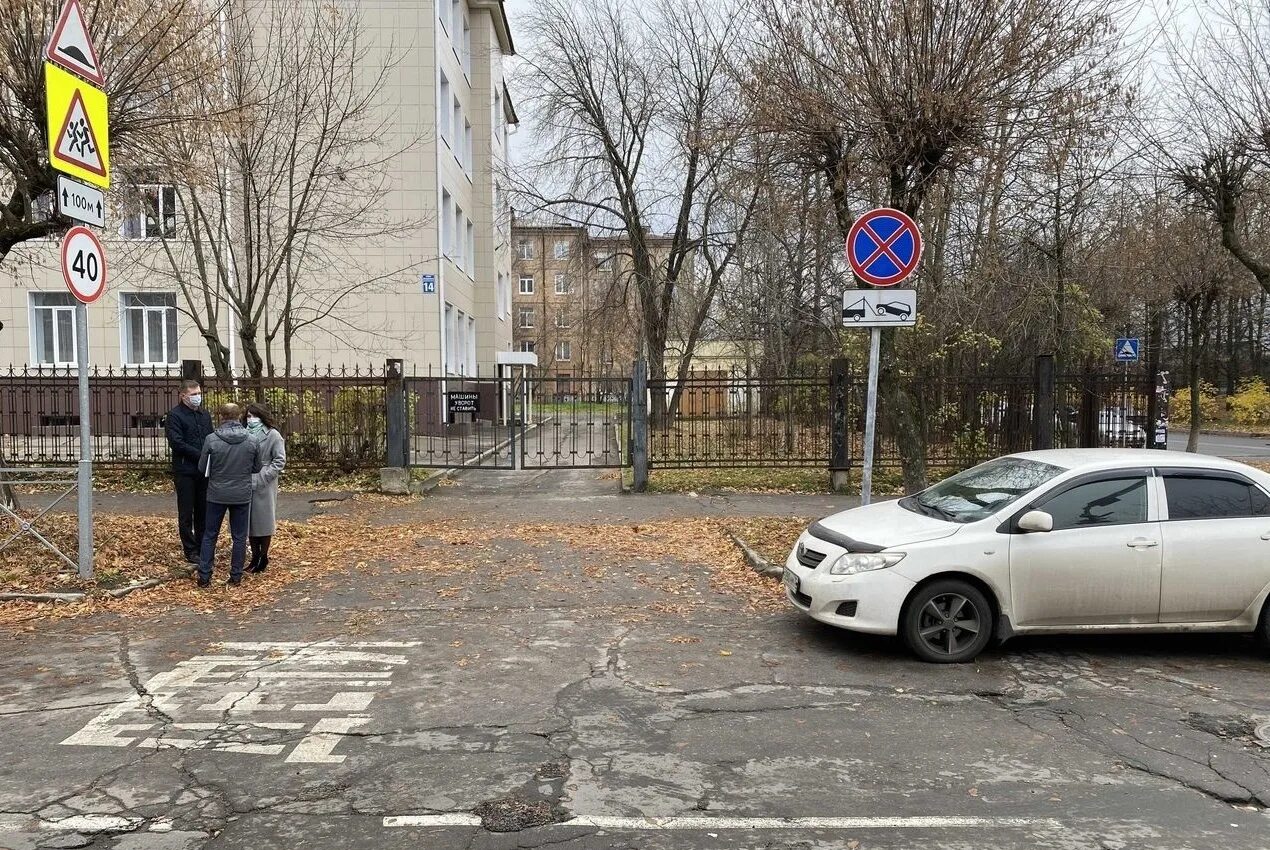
x=78 y=127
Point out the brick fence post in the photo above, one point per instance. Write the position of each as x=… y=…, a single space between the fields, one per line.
x=395 y=476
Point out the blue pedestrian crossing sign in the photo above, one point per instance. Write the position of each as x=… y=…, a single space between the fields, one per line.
x=1127 y=348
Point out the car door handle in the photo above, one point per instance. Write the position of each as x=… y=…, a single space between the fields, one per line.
x=1142 y=543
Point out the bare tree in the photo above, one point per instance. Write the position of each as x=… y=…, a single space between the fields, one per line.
x=887 y=101
x=278 y=179
x=641 y=122
x=152 y=56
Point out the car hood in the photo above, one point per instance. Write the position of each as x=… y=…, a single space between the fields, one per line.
x=883 y=525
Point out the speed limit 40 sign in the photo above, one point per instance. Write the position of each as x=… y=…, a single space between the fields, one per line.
x=83 y=264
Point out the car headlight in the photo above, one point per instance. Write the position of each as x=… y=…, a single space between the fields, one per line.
x=849 y=565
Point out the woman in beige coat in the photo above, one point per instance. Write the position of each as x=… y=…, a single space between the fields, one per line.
x=271 y=459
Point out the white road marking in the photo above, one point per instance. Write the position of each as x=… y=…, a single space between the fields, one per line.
x=327 y=733
x=721 y=823
x=265 y=679
x=342 y=701
x=93 y=823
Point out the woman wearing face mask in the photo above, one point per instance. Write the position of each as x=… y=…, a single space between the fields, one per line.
x=271 y=459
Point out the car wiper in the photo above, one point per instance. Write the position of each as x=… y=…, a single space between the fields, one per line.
x=926 y=509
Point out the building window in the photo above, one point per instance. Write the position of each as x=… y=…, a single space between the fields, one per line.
x=443 y=12
x=447 y=224
x=564 y=351
x=503 y=297
x=456 y=15
x=457 y=113
x=562 y=319
x=526 y=284
x=467 y=145
x=562 y=284
x=526 y=317
x=527 y=346
x=444 y=101
x=467 y=47
x=460 y=250
x=561 y=250
x=53 y=328
x=604 y=262
x=154 y=216
x=471 y=345
x=149 y=328
x=498 y=114
x=524 y=249
x=471 y=249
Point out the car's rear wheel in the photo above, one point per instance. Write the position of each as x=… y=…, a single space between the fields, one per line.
x=1263 y=627
x=947 y=622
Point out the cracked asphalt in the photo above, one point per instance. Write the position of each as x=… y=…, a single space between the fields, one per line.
x=516 y=700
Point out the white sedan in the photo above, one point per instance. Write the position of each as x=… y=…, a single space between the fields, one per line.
x=1072 y=540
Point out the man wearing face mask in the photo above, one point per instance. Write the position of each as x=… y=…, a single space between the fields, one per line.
x=188 y=425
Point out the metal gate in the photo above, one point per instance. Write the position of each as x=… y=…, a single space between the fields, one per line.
x=573 y=423
x=460 y=422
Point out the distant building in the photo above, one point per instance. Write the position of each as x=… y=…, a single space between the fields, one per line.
x=574 y=302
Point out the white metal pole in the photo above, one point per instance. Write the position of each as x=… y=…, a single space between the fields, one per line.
x=85 y=471
x=871 y=416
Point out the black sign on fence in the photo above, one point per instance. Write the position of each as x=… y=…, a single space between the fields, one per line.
x=462 y=402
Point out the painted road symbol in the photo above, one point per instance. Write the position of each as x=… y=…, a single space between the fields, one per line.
x=83 y=264
x=290 y=699
x=884 y=246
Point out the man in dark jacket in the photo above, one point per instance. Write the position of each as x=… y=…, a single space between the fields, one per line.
x=228 y=460
x=188 y=425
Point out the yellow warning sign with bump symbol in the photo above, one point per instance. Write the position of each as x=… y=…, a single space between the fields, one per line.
x=78 y=127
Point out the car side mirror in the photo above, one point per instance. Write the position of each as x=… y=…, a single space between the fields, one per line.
x=1036 y=521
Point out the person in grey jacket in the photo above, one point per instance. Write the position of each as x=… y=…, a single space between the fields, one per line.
x=270 y=461
x=229 y=461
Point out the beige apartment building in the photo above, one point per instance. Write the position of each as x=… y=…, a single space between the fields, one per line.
x=574 y=301
x=442 y=300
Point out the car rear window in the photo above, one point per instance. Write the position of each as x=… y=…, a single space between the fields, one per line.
x=1207 y=497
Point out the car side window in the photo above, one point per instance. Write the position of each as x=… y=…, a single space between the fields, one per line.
x=1206 y=497
x=1111 y=501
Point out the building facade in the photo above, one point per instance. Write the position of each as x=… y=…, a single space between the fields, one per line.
x=440 y=295
x=574 y=301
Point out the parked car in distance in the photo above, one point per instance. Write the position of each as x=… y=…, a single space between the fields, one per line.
x=1068 y=540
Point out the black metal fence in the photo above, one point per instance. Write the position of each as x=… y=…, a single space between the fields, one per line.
x=333 y=418
x=814 y=418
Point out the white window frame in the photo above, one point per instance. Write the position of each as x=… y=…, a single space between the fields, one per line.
x=527 y=346
x=443 y=118
x=526 y=278
x=522 y=314
x=603 y=262
x=471 y=248
x=465 y=56
x=66 y=306
x=169 y=345
x=564 y=351
x=457 y=147
x=447 y=223
x=560 y=250
x=468 y=155
x=460 y=250
x=135 y=227
x=471 y=345
x=563 y=284
x=562 y=319
x=525 y=249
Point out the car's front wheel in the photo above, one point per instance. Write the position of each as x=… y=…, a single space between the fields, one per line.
x=947 y=622
x=1263 y=627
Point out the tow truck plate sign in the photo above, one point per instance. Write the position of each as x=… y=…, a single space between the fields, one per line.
x=80 y=202
x=879 y=308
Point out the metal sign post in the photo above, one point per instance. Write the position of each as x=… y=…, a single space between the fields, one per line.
x=884 y=247
x=85 y=476
x=79 y=145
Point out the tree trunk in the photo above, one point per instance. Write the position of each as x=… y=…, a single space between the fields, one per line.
x=900 y=407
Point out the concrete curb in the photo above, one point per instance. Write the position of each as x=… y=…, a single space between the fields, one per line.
x=42 y=597
x=756 y=561
x=1245 y=435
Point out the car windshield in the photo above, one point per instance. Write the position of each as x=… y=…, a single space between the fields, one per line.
x=979 y=492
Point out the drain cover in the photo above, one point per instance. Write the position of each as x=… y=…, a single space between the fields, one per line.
x=1263 y=734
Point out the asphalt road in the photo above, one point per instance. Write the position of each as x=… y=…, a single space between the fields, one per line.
x=1223 y=445
x=589 y=693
